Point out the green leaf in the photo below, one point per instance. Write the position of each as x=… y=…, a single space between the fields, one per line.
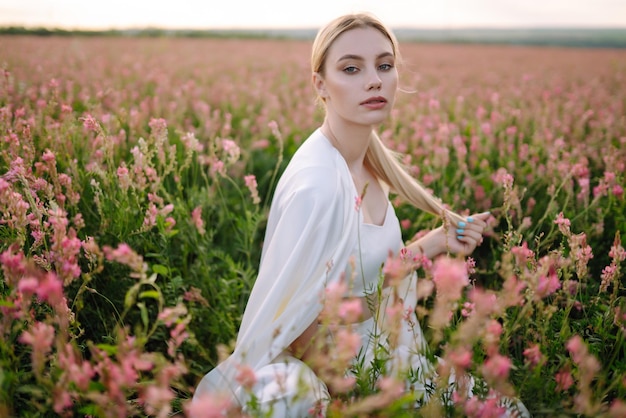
x=131 y=295
x=144 y=314
x=6 y=303
x=108 y=348
x=160 y=269
x=95 y=386
x=153 y=294
x=90 y=410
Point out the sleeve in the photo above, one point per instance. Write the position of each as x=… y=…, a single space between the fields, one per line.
x=304 y=239
x=310 y=235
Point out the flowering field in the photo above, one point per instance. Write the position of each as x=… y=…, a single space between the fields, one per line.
x=136 y=176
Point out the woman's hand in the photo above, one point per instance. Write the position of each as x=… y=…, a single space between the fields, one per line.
x=467 y=235
x=460 y=239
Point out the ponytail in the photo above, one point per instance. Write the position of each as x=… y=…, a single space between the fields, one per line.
x=386 y=165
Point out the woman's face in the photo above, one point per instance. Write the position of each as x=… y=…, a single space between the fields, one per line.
x=360 y=78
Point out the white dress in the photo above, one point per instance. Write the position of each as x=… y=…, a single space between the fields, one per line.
x=311 y=233
x=314 y=230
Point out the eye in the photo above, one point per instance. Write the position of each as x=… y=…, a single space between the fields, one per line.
x=350 y=69
x=385 y=67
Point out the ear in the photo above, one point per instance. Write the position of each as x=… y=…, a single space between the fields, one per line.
x=320 y=85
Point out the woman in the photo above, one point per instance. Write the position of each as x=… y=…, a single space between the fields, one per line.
x=330 y=208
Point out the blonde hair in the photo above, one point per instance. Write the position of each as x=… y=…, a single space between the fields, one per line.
x=383 y=162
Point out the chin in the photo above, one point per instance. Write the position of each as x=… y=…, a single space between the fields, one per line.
x=376 y=119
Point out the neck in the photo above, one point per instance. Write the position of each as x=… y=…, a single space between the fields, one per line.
x=350 y=141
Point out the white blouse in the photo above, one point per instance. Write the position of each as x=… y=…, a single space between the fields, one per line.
x=371 y=251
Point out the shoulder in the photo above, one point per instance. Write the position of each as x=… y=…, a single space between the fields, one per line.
x=317 y=172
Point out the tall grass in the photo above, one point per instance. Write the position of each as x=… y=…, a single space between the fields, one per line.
x=136 y=176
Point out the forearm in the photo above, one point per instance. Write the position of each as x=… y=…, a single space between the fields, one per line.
x=430 y=245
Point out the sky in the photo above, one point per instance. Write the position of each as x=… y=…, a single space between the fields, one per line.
x=241 y=14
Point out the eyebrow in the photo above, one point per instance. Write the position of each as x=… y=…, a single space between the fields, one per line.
x=360 y=58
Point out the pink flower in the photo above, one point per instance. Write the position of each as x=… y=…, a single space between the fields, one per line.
x=217 y=167
x=196 y=218
x=170 y=223
x=40 y=338
x=172 y=315
x=564 y=380
x=617 y=252
x=178 y=335
x=90 y=123
x=208 y=406
x=470 y=265
x=424 y=289
x=342 y=384
x=48 y=156
x=124 y=254
x=512 y=292
x=350 y=310
x=486 y=128
x=260 y=144
x=167 y=209
x=391 y=386
x=547 y=285
x=358 y=201
x=232 y=150
x=394 y=312
x=157 y=400
x=533 y=355
x=617 y=409
x=151 y=215
x=50 y=289
x=460 y=357
x=493 y=331
x=503 y=178
x=522 y=253
x=496 y=368
x=274 y=128
x=609 y=273
x=563 y=223
x=13 y=264
x=4 y=185
x=246 y=377
x=488 y=408
x=467 y=309
x=158 y=126
x=251 y=184
x=394 y=269
x=79 y=372
x=450 y=277
x=62 y=400
x=195 y=295
x=28 y=285
x=124 y=179
x=348 y=344
x=405 y=254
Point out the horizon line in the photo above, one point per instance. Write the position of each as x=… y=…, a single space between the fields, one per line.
x=304 y=28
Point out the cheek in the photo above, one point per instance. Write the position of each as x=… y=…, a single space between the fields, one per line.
x=392 y=80
x=340 y=89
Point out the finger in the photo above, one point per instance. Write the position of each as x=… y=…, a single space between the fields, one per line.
x=472 y=235
x=468 y=244
x=479 y=218
x=475 y=228
x=476 y=225
x=482 y=216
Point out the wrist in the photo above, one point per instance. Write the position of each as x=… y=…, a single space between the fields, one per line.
x=430 y=246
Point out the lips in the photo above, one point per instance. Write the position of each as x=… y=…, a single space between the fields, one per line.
x=374 y=100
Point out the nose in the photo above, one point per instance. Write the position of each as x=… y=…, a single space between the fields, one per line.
x=374 y=83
